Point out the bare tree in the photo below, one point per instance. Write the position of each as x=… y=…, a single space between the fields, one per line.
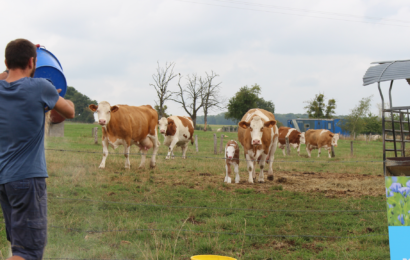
x=210 y=95
x=162 y=78
x=190 y=96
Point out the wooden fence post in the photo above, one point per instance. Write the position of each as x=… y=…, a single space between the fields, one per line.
x=333 y=152
x=351 y=148
x=215 y=145
x=287 y=146
x=196 y=142
x=221 y=147
x=95 y=135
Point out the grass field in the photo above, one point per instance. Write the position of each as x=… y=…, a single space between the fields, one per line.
x=316 y=208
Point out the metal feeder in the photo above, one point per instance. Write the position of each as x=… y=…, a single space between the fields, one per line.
x=396 y=169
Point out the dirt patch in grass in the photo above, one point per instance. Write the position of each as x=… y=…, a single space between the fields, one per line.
x=331 y=184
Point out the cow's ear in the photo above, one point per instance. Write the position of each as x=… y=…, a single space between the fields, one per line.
x=331 y=135
x=270 y=124
x=114 y=109
x=244 y=124
x=93 y=107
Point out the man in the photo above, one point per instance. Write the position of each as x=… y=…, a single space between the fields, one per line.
x=23 y=171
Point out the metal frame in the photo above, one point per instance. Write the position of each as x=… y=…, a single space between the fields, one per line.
x=401 y=111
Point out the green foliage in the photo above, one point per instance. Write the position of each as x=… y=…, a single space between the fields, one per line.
x=247 y=98
x=316 y=108
x=165 y=111
x=201 y=127
x=372 y=124
x=81 y=103
x=355 y=122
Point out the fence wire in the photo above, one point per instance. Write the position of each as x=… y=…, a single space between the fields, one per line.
x=216 y=208
x=221 y=158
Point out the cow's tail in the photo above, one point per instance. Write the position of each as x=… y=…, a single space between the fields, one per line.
x=192 y=140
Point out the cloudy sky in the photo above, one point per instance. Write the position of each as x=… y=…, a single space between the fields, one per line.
x=293 y=49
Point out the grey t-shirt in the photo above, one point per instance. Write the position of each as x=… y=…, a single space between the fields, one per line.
x=22 y=127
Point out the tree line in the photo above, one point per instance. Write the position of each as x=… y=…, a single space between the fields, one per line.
x=195 y=93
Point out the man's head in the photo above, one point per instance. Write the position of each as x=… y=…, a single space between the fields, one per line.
x=21 y=54
x=104 y=110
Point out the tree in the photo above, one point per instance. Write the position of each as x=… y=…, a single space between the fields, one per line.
x=355 y=122
x=190 y=96
x=210 y=95
x=372 y=124
x=316 y=107
x=247 y=98
x=164 y=111
x=81 y=103
x=162 y=78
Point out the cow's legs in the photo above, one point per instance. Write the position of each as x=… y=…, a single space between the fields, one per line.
x=308 y=150
x=127 y=148
x=143 y=157
x=184 y=149
x=172 y=155
x=228 y=171
x=171 y=148
x=298 y=149
x=254 y=171
x=250 y=167
x=155 y=143
x=329 y=152
x=261 y=166
x=237 y=178
x=318 y=154
x=105 y=153
x=271 y=158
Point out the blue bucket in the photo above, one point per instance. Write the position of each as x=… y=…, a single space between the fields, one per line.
x=48 y=67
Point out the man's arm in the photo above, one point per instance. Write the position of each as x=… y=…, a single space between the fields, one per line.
x=4 y=75
x=65 y=108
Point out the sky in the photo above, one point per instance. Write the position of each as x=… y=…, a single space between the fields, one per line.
x=293 y=49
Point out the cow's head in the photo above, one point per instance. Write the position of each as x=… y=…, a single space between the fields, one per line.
x=167 y=126
x=335 y=137
x=302 y=139
x=256 y=126
x=104 y=110
x=230 y=150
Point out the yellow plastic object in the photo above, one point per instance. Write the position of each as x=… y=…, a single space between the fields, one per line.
x=211 y=257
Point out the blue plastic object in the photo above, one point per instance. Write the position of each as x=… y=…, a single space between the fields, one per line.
x=49 y=67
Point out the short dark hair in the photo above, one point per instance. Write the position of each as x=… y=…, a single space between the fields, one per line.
x=19 y=52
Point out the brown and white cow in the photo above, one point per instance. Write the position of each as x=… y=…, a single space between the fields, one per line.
x=232 y=159
x=258 y=135
x=295 y=137
x=128 y=125
x=321 y=138
x=177 y=131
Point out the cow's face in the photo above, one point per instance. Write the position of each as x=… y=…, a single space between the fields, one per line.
x=302 y=139
x=104 y=110
x=334 y=139
x=256 y=126
x=230 y=151
x=163 y=123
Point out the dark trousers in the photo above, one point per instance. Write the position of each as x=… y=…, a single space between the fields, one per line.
x=24 y=205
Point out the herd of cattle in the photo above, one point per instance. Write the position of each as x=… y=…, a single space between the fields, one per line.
x=258 y=134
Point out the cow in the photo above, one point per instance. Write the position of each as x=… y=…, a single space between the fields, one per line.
x=219 y=130
x=232 y=159
x=295 y=137
x=127 y=125
x=321 y=138
x=258 y=135
x=177 y=130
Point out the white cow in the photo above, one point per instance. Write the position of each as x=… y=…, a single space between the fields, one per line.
x=232 y=159
x=177 y=131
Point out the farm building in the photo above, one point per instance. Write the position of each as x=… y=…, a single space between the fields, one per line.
x=304 y=124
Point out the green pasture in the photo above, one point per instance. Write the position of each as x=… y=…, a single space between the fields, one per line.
x=182 y=207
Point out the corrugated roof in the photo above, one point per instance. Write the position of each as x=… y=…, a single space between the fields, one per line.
x=386 y=71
